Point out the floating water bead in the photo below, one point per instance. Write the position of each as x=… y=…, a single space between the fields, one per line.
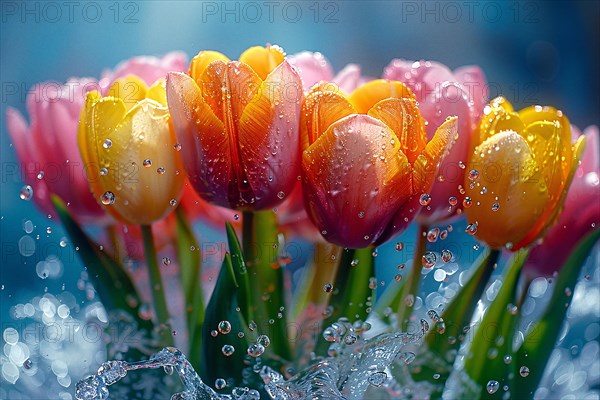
x=255 y=350
x=432 y=235
x=26 y=193
x=399 y=246
x=446 y=255
x=428 y=259
x=377 y=378
x=524 y=371
x=492 y=386
x=224 y=327
x=467 y=202
x=328 y=287
x=263 y=340
x=471 y=228
x=166 y=261
x=147 y=163
x=452 y=200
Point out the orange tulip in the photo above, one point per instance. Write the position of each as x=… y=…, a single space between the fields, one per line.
x=519 y=173
x=366 y=161
x=237 y=123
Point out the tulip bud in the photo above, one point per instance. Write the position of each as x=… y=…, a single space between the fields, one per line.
x=237 y=122
x=130 y=151
x=367 y=161
x=519 y=173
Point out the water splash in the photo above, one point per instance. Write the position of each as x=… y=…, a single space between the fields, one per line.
x=355 y=364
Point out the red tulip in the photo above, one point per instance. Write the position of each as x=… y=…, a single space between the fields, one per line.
x=237 y=123
x=367 y=161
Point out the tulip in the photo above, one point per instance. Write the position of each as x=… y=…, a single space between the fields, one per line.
x=237 y=123
x=314 y=68
x=519 y=173
x=131 y=151
x=580 y=216
x=441 y=93
x=47 y=149
x=367 y=162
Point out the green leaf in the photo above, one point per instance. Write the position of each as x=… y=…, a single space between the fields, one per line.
x=110 y=280
x=539 y=342
x=222 y=307
x=190 y=270
x=495 y=333
x=240 y=272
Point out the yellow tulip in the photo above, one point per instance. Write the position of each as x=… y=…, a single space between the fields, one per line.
x=519 y=173
x=131 y=152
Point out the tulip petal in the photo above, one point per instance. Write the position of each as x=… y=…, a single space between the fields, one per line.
x=499 y=116
x=201 y=61
x=313 y=68
x=228 y=88
x=158 y=92
x=427 y=164
x=402 y=116
x=322 y=107
x=148 y=68
x=472 y=78
x=269 y=144
x=204 y=142
x=369 y=94
x=510 y=182
x=356 y=177
x=129 y=89
x=263 y=60
x=349 y=78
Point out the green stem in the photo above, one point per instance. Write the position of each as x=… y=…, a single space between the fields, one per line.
x=157 y=290
x=259 y=246
x=413 y=283
x=351 y=290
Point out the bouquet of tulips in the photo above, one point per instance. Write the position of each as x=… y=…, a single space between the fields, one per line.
x=272 y=149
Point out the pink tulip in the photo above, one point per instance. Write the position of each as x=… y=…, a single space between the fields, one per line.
x=314 y=68
x=580 y=215
x=47 y=148
x=442 y=93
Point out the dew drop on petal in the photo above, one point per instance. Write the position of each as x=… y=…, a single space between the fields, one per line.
x=107 y=143
x=428 y=259
x=147 y=163
x=377 y=378
x=425 y=199
x=107 y=198
x=446 y=255
x=224 y=327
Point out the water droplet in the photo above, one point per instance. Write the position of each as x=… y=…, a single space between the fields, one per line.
x=377 y=378
x=103 y=171
x=507 y=359
x=214 y=333
x=472 y=228
x=524 y=371
x=177 y=147
x=236 y=216
x=227 y=350
x=354 y=262
x=428 y=259
x=252 y=325
x=40 y=175
x=408 y=357
x=27 y=364
x=452 y=200
x=255 y=350
x=107 y=143
x=26 y=193
x=280 y=195
x=328 y=287
x=432 y=235
x=446 y=255
x=495 y=206
x=492 y=387
x=263 y=340
x=398 y=278
x=160 y=170
x=399 y=246
x=461 y=165
x=425 y=199
x=172 y=202
x=473 y=175
x=361 y=214
x=224 y=327
x=147 y=163
x=108 y=198
x=166 y=261
x=220 y=383
x=467 y=202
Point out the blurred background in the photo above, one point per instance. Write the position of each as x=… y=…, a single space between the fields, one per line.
x=532 y=52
